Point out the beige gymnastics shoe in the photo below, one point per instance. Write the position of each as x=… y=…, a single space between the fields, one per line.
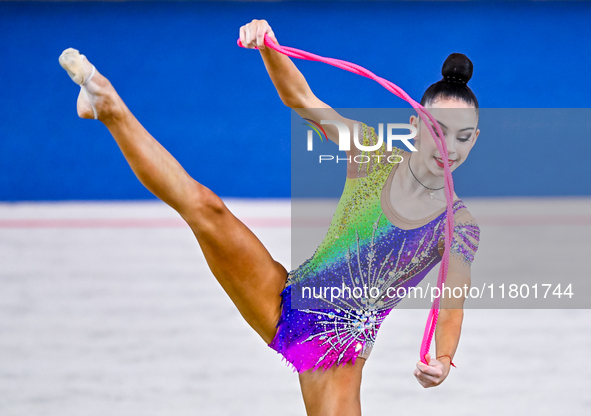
x=81 y=71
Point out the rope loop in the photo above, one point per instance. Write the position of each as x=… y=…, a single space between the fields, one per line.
x=441 y=146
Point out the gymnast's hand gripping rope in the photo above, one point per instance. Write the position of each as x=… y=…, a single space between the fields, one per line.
x=441 y=146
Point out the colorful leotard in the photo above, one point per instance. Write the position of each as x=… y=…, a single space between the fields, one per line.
x=367 y=243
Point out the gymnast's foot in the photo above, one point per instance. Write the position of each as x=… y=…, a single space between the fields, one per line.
x=97 y=99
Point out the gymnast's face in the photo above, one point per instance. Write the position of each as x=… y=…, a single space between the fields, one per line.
x=459 y=123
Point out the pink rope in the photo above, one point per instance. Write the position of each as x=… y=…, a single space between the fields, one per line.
x=441 y=146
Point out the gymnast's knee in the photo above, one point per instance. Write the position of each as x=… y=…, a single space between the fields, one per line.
x=202 y=206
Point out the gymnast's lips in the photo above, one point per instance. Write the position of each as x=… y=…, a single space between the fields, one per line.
x=440 y=162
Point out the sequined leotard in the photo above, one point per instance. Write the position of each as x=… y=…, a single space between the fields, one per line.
x=366 y=243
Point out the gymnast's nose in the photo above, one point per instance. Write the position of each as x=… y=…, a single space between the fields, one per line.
x=451 y=146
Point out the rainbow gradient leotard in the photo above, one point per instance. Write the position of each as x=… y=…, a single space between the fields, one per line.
x=367 y=243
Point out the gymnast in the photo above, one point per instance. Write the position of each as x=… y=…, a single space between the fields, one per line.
x=387 y=230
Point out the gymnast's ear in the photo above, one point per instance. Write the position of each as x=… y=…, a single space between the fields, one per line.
x=414 y=120
x=476 y=134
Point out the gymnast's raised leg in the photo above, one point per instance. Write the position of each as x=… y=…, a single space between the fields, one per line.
x=236 y=257
x=238 y=260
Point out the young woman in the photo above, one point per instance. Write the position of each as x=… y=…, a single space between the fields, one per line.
x=402 y=204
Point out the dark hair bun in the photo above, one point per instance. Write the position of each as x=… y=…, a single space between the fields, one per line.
x=457 y=68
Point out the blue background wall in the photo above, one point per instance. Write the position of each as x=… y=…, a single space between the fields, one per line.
x=211 y=103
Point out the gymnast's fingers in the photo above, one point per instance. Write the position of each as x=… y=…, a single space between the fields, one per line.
x=426 y=380
x=243 y=36
x=429 y=381
x=249 y=36
x=431 y=370
x=248 y=41
x=272 y=35
x=420 y=378
x=261 y=29
x=432 y=373
x=422 y=366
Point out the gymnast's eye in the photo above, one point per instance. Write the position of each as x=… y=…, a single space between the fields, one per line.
x=463 y=139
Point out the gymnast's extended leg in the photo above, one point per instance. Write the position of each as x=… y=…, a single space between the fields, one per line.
x=236 y=257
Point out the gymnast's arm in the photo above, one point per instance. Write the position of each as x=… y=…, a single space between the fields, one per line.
x=447 y=332
x=291 y=85
x=451 y=315
x=466 y=239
